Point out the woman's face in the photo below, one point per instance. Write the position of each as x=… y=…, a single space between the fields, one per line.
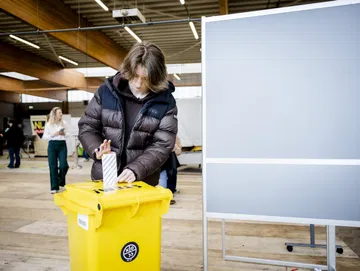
x=58 y=114
x=138 y=83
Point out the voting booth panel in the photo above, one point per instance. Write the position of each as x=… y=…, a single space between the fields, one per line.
x=283 y=86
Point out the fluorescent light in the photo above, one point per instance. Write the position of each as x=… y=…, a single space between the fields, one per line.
x=182 y=2
x=192 y=26
x=97 y=71
x=24 y=41
x=19 y=76
x=132 y=34
x=101 y=4
x=68 y=60
x=177 y=76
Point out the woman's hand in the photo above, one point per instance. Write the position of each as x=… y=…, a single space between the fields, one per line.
x=127 y=176
x=103 y=149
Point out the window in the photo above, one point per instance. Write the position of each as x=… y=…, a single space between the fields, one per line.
x=25 y=98
x=187 y=92
x=79 y=95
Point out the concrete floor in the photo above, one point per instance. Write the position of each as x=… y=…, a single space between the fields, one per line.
x=33 y=231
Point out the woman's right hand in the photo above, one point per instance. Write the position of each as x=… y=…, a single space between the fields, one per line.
x=103 y=149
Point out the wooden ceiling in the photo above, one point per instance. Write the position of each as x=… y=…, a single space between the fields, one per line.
x=106 y=47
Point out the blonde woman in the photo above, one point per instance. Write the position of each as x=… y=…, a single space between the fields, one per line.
x=56 y=132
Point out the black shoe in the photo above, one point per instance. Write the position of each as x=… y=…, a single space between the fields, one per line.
x=172 y=202
x=16 y=166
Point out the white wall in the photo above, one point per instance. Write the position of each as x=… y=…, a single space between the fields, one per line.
x=76 y=109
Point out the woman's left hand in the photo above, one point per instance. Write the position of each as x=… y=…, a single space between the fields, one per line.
x=127 y=176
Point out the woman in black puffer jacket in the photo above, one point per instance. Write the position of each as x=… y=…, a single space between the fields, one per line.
x=134 y=115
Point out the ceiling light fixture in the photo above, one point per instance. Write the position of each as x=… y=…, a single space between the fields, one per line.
x=101 y=4
x=182 y=2
x=132 y=34
x=192 y=26
x=177 y=76
x=19 y=76
x=24 y=41
x=68 y=60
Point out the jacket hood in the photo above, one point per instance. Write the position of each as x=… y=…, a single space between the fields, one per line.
x=119 y=85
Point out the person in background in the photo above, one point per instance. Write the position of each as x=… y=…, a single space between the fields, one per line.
x=134 y=115
x=1 y=144
x=86 y=156
x=172 y=180
x=56 y=132
x=168 y=175
x=15 y=139
x=84 y=153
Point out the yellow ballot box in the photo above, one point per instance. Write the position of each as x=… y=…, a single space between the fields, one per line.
x=115 y=229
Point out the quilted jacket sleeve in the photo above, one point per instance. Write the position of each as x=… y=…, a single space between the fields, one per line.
x=156 y=154
x=90 y=126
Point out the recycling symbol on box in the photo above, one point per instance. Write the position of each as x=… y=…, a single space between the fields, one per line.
x=129 y=252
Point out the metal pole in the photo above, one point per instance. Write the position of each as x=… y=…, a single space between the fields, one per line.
x=223 y=238
x=331 y=248
x=205 y=242
x=312 y=235
x=99 y=27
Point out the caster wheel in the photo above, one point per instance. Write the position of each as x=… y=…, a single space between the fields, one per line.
x=289 y=248
x=340 y=250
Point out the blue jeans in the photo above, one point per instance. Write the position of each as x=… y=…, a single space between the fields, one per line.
x=85 y=155
x=14 y=152
x=163 y=179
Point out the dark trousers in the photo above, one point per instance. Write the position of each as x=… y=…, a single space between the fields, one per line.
x=1 y=146
x=172 y=179
x=85 y=155
x=171 y=170
x=57 y=151
x=14 y=152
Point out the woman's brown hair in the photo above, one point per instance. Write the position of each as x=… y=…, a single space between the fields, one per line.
x=151 y=57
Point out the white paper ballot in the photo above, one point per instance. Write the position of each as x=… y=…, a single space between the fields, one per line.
x=109 y=167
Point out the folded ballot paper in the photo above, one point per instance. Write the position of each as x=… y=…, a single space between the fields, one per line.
x=109 y=167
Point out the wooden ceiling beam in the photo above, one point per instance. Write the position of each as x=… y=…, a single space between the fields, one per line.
x=50 y=14
x=17 y=60
x=224 y=7
x=8 y=85
x=9 y=97
x=60 y=95
x=43 y=89
x=34 y=84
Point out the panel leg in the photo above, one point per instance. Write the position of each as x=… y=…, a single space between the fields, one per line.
x=223 y=238
x=331 y=248
x=312 y=235
x=205 y=243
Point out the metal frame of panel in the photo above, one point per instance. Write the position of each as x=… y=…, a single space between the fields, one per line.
x=206 y=215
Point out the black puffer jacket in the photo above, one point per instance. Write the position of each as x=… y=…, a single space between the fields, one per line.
x=14 y=137
x=151 y=139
